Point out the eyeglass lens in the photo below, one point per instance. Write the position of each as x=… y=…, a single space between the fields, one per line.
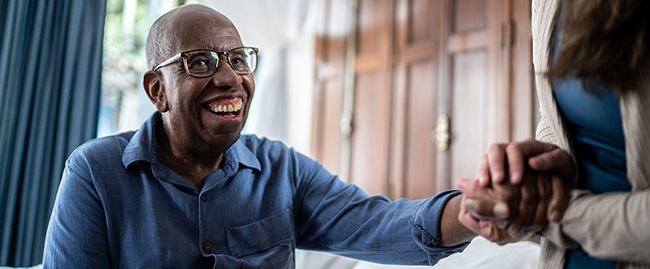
x=205 y=63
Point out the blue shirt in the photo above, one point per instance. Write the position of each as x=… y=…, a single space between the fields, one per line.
x=119 y=206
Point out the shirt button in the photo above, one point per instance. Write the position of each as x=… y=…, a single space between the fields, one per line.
x=204 y=197
x=207 y=247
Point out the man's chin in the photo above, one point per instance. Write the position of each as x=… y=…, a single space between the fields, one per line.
x=222 y=142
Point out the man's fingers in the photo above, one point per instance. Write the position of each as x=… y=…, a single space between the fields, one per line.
x=483 y=209
x=544 y=190
x=510 y=195
x=468 y=186
x=526 y=208
x=466 y=219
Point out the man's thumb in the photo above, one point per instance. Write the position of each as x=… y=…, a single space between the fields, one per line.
x=483 y=209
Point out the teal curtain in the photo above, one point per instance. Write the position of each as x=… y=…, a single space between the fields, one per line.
x=50 y=79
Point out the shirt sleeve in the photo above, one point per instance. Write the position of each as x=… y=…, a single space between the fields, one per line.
x=76 y=234
x=341 y=218
x=609 y=226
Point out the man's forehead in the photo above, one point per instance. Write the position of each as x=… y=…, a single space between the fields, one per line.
x=207 y=38
x=201 y=28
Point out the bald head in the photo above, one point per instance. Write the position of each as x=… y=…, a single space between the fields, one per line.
x=173 y=30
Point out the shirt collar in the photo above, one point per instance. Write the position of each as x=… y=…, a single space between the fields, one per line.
x=143 y=146
x=239 y=154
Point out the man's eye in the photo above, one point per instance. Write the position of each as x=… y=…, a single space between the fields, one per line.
x=237 y=60
x=199 y=64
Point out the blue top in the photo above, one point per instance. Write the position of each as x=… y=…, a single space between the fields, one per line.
x=594 y=125
x=119 y=206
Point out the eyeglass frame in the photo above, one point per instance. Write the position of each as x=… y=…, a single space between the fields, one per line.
x=183 y=56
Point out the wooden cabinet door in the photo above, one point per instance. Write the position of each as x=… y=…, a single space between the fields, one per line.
x=488 y=95
x=473 y=93
x=408 y=65
x=331 y=42
x=419 y=29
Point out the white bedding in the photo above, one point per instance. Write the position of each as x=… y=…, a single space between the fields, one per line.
x=480 y=253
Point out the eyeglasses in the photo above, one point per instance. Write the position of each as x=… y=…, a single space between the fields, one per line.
x=203 y=63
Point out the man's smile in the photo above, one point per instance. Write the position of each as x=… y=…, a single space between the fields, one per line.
x=227 y=108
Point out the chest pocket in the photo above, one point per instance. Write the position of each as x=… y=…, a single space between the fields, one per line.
x=270 y=238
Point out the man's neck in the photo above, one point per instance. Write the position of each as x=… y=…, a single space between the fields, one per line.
x=191 y=165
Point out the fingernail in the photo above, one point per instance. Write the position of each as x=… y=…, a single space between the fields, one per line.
x=503 y=224
x=500 y=210
x=514 y=176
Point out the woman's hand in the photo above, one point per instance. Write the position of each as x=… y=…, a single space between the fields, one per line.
x=521 y=187
x=512 y=161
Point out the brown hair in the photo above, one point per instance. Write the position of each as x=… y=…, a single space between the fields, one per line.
x=603 y=41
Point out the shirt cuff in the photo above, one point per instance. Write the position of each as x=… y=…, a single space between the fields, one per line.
x=426 y=227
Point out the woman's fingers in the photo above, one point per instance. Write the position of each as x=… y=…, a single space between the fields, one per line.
x=559 y=200
x=483 y=174
x=497 y=162
x=556 y=160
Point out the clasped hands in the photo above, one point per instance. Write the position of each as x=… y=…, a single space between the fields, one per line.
x=520 y=188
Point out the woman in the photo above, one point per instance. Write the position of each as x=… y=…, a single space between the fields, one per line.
x=592 y=61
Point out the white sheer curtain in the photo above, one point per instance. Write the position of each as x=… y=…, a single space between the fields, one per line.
x=284 y=32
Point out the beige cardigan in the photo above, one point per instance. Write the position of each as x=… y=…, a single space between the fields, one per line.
x=613 y=226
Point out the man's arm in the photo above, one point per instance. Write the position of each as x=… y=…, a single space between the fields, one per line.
x=340 y=218
x=76 y=234
x=452 y=231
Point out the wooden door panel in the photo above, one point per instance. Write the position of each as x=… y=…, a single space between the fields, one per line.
x=331 y=102
x=370 y=118
x=422 y=22
x=369 y=136
x=414 y=98
x=420 y=151
x=473 y=51
x=469 y=15
x=373 y=17
x=468 y=113
x=328 y=95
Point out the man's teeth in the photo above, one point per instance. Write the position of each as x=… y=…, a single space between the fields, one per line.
x=226 y=108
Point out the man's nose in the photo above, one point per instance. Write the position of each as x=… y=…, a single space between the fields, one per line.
x=225 y=75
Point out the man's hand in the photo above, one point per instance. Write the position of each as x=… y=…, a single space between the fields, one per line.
x=521 y=209
x=486 y=205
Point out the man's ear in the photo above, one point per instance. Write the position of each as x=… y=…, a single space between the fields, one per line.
x=154 y=89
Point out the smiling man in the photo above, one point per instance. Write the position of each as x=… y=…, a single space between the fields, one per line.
x=188 y=191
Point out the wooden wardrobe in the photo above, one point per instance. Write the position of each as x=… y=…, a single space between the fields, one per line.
x=410 y=93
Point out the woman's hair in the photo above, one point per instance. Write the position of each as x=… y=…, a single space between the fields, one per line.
x=603 y=41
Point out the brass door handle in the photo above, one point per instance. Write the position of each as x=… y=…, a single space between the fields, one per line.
x=442 y=132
